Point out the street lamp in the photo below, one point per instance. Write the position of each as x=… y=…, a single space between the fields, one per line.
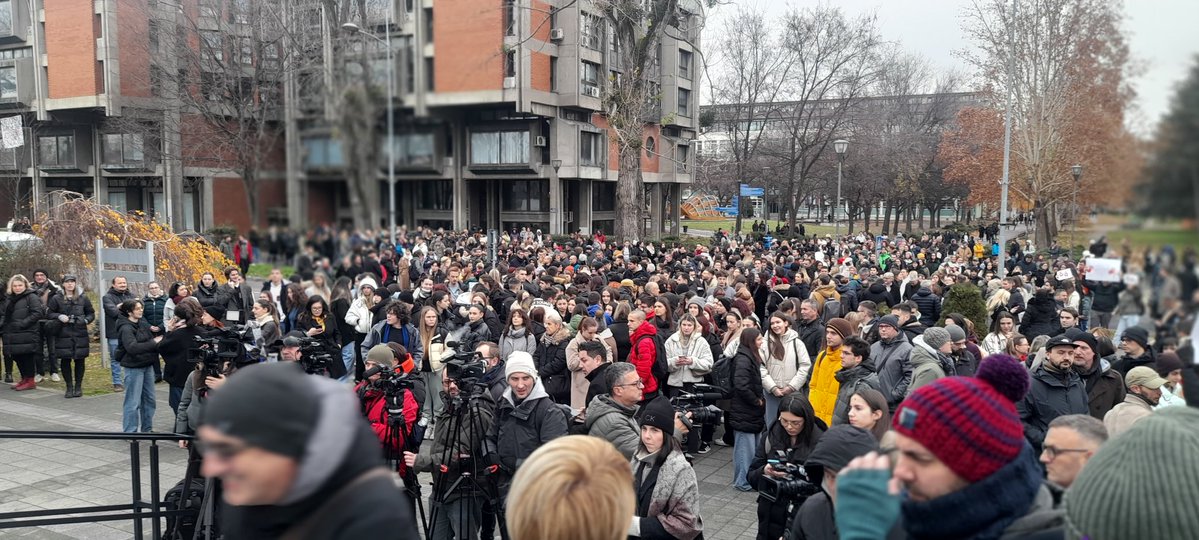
x=391 y=162
x=840 y=146
x=1076 y=170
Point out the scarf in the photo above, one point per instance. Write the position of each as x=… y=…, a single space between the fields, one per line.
x=982 y=510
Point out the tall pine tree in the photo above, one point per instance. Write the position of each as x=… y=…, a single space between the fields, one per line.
x=1173 y=170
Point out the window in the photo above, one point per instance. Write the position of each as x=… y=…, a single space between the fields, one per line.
x=650 y=147
x=212 y=45
x=57 y=151
x=436 y=195
x=413 y=150
x=684 y=102
x=8 y=159
x=589 y=74
x=6 y=16
x=245 y=51
x=603 y=198
x=510 y=64
x=209 y=8
x=685 y=64
x=123 y=148
x=210 y=87
x=525 y=196
x=592 y=34
x=429 y=80
x=153 y=33
x=591 y=148
x=499 y=147
x=553 y=74
x=240 y=12
x=156 y=82
x=509 y=18
x=680 y=156
x=8 y=82
x=323 y=152
x=270 y=55
x=429 y=25
x=11 y=54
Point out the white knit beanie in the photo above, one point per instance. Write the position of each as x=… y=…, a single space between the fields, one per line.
x=519 y=362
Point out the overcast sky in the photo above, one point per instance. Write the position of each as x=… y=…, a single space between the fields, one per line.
x=1161 y=32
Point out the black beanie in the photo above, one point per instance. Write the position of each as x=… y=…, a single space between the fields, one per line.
x=272 y=406
x=840 y=445
x=658 y=413
x=1079 y=335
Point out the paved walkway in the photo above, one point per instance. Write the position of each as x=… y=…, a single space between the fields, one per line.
x=46 y=474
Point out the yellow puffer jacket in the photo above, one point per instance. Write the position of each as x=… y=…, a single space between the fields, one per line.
x=822 y=391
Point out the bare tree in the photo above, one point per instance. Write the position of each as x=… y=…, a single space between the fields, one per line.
x=751 y=68
x=834 y=65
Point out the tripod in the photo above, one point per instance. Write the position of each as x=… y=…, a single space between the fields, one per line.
x=402 y=440
x=460 y=479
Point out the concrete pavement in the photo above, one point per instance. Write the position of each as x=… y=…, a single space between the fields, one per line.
x=46 y=474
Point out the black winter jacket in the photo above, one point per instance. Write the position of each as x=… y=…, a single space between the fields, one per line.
x=207 y=296
x=550 y=360
x=894 y=369
x=878 y=293
x=154 y=310
x=1041 y=317
x=21 y=328
x=747 y=409
x=111 y=301
x=136 y=348
x=173 y=348
x=811 y=334
x=73 y=339
x=1051 y=395
x=519 y=429
x=929 y=305
x=772 y=516
x=1106 y=295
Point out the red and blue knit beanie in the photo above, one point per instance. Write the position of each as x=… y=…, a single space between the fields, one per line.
x=969 y=423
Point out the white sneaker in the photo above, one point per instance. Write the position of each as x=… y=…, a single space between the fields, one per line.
x=38 y=378
x=54 y=377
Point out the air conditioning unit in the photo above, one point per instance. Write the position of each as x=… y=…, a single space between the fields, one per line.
x=590 y=90
x=509 y=82
x=557 y=34
x=539 y=141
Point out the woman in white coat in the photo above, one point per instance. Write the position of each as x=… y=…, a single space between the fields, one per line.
x=689 y=358
x=785 y=363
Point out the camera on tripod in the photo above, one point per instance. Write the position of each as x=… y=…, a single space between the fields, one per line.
x=226 y=345
x=315 y=356
x=700 y=403
x=795 y=487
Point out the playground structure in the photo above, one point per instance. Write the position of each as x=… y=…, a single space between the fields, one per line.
x=702 y=207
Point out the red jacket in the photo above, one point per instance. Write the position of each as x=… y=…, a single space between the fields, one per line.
x=642 y=354
x=375 y=408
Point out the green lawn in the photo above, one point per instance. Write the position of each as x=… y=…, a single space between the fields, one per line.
x=727 y=225
x=1154 y=238
x=96 y=380
x=263 y=270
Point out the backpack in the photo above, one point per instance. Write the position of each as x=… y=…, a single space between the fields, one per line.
x=832 y=310
x=183 y=527
x=722 y=375
x=660 y=370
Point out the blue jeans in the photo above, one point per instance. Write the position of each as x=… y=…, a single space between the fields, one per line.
x=139 y=400
x=457 y=519
x=176 y=396
x=347 y=357
x=772 y=407
x=744 y=446
x=1125 y=322
x=112 y=354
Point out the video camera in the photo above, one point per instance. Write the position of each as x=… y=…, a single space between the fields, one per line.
x=233 y=344
x=315 y=356
x=700 y=404
x=794 y=488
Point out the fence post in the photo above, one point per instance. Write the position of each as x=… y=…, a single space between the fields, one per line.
x=104 y=359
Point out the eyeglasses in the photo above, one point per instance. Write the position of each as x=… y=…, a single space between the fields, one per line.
x=638 y=383
x=1053 y=452
x=791 y=423
x=222 y=451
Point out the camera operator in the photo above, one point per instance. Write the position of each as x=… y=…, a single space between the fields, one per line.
x=290 y=350
x=458 y=438
x=837 y=447
x=180 y=338
x=494 y=376
x=788 y=440
x=392 y=415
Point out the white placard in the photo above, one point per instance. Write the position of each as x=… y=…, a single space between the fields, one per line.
x=1064 y=275
x=819 y=256
x=11 y=132
x=1103 y=270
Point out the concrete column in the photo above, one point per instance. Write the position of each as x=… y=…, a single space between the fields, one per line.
x=556 y=210
x=585 y=203
x=172 y=170
x=675 y=193
x=461 y=201
x=656 y=211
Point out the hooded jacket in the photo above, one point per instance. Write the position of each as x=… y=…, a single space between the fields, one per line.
x=614 y=423
x=73 y=339
x=823 y=386
x=339 y=449
x=929 y=305
x=550 y=359
x=521 y=428
x=1041 y=317
x=643 y=354
x=747 y=408
x=20 y=316
x=812 y=335
x=878 y=293
x=136 y=348
x=517 y=339
x=1051 y=395
x=697 y=350
x=206 y=295
x=1105 y=387
x=894 y=369
x=928 y=365
x=790 y=370
x=853 y=379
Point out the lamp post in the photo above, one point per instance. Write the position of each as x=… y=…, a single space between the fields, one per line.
x=840 y=146
x=391 y=162
x=1076 y=170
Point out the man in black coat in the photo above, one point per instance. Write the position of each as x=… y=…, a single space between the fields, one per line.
x=809 y=327
x=235 y=297
x=298 y=460
x=117 y=294
x=1056 y=390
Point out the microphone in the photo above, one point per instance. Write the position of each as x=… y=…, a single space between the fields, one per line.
x=372 y=372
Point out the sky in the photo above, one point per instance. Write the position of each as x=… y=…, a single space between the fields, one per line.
x=1161 y=38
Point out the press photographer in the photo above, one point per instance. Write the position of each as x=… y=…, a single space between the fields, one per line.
x=387 y=400
x=461 y=488
x=311 y=353
x=776 y=471
x=836 y=448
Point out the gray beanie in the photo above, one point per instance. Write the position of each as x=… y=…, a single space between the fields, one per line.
x=1142 y=484
x=936 y=337
x=955 y=333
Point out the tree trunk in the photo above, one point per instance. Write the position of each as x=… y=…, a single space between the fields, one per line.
x=740 y=173
x=887 y=217
x=630 y=218
x=249 y=182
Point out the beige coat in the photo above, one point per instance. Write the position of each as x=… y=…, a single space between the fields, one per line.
x=1125 y=414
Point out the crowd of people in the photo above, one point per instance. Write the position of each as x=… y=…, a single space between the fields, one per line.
x=843 y=356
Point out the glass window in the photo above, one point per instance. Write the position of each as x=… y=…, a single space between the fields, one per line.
x=591 y=148
x=681 y=153
x=6 y=18
x=685 y=64
x=8 y=159
x=323 y=152
x=684 y=102
x=603 y=197
x=436 y=195
x=525 y=196
x=499 y=147
x=57 y=151
x=413 y=149
x=510 y=64
x=112 y=148
x=212 y=44
x=592 y=34
x=8 y=82
x=509 y=18
x=241 y=11
x=589 y=73
x=246 y=47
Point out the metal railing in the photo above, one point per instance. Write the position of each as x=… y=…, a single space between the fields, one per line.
x=137 y=510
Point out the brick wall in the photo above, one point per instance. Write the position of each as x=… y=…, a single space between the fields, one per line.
x=229 y=201
x=468 y=38
x=71 y=33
